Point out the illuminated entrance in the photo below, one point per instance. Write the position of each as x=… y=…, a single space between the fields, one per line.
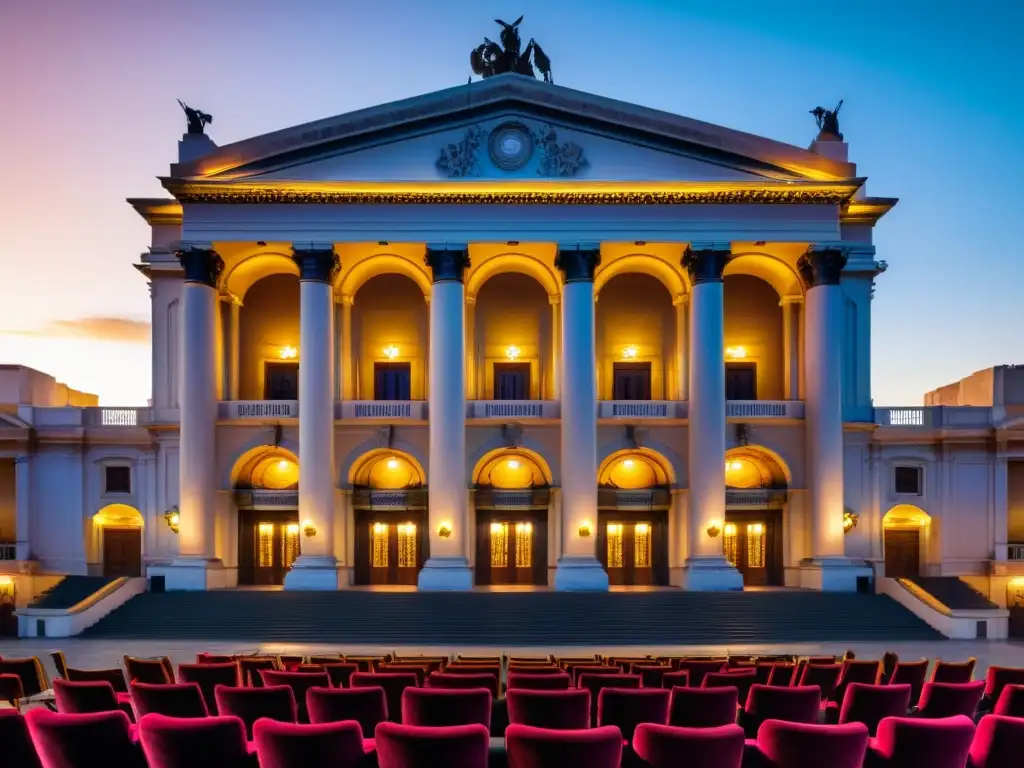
x=267 y=498
x=755 y=496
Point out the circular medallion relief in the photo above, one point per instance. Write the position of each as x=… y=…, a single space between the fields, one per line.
x=511 y=146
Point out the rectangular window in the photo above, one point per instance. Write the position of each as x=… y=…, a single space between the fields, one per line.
x=741 y=381
x=524 y=545
x=391 y=381
x=631 y=381
x=117 y=479
x=290 y=544
x=379 y=545
x=730 y=544
x=499 y=545
x=407 y=545
x=280 y=381
x=511 y=381
x=907 y=480
x=265 y=545
x=642 y=545
x=615 y=545
x=755 y=545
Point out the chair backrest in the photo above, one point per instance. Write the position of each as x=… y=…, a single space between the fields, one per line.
x=413 y=746
x=171 y=699
x=445 y=680
x=365 y=663
x=592 y=669
x=324 y=745
x=114 y=676
x=367 y=706
x=626 y=708
x=939 y=700
x=593 y=748
x=998 y=678
x=555 y=710
x=740 y=679
x=16 y=747
x=84 y=697
x=155 y=671
x=804 y=745
x=700 y=667
x=941 y=743
x=825 y=676
x=78 y=740
x=273 y=702
x=596 y=683
x=666 y=746
x=30 y=670
x=11 y=689
x=679 y=679
x=651 y=673
x=340 y=673
x=535 y=669
x=213 y=658
x=557 y=682
x=60 y=663
x=1010 y=702
x=173 y=742
x=252 y=666
x=702 y=707
x=299 y=682
x=998 y=742
x=783 y=675
x=856 y=671
x=912 y=673
x=208 y=677
x=870 y=704
x=438 y=707
x=953 y=671
x=420 y=671
x=325 y=658
x=793 y=705
x=393 y=683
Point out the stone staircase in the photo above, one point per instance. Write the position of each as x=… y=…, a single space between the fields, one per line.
x=70 y=591
x=544 y=618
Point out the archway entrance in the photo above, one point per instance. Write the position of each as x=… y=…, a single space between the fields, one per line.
x=632 y=519
x=390 y=503
x=267 y=497
x=120 y=529
x=903 y=543
x=755 y=496
x=512 y=519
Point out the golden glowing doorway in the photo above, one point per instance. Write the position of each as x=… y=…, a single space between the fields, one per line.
x=753 y=545
x=268 y=544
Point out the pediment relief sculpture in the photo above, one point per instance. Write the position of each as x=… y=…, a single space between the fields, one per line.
x=512 y=146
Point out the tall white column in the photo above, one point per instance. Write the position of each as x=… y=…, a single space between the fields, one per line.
x=196 y=566
x=23 y=507
x=578 y=567
x=828 y=568
x=556 y=347
x=316 y=566
x=681 y=303
x=791 y=346
x=447 y=568
x=1000 y=500
x=706 y=567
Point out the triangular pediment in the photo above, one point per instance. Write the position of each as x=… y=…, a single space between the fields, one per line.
x=512 y=128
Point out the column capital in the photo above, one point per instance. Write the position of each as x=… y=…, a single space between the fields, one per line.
x=822 y=265
x=705 y=262
x=447 y=264
x=470 y=299
x=578 y=264
x=201 y=265
x=680 y=300
x=318 y=263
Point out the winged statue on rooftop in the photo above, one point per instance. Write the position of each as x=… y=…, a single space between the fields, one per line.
x=197 y=120
x=828 y=120
x=490 y=58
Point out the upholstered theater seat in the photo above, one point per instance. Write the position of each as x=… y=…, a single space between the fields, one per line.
x=30 y=670
x=393 y=683
x=596 y=683
x=804 y=745
x=463 y=680
x=556 y=682
x=84 y=697
x=870 y=704
x=950 y=699
x=626 y=709
x=252 y=668
x=16 y=747
x=855 y=671
x=436 y=707
x=996 y=679
x=554 y=710
x=324 y=745
x=672 y=680
x=700 y=667
x=592 y=669
x=825 y=676
x=213 y=658
x=1010 y=702
x=299 y=682
x=953 y=671
x=529 y=747
x=740 y=679
x=650 y=673
x=367 y=706
x=84 y=741
x=904 y=742
x=114 y=676
x=272 y=702
x=208 y=677
x=209 y=742
x=340 y=673
x=702 y=707
x=171 y=699
x=998 y=743
x=912 y=673
x=793 y=705
x=153 y=671
x=11 y=690
x=666 y=746
x=784 y=675
x=411 y=746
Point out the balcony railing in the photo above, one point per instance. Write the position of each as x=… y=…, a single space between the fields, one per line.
x=643 y=498
x=512 y=499
x=258 y=409
x=641 y=409
x=764 y=409
x=264 y=499
x=513 y=409
x=8 y=550
x=1015 y=552
x=364 y=498
x=754 y=498
x=935 y=417
x=386 y=410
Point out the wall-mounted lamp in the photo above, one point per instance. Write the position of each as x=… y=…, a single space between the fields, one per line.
x=172 y=518
x=308 y=529
x=629 y=352
x=390 y=351
x=850 y=520
x=735 y=353
x=512 y=353
x=584 y=530
x=288 y=353
x=714 y=529
x=7 y=590
x=392 y=464
x=444 y=530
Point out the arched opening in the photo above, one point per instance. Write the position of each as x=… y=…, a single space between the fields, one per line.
x=511 y=339
x=636 y=339
x=390 y=330
x=633 y=499
x=905 y=535
x=754 y=340
x=268 y=339
x=265 y=480
x=755 y=497
x=389 y=508
x=119 y=528
x=511 y=502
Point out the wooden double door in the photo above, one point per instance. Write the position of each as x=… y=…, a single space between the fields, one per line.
x=753 y=544
x=390 y=547
x=122 y=552
x=268 y=544
x=902 y=553
x=633 y=546
x=512 y=547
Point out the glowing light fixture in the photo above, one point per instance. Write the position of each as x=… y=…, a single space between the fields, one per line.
x=642 y=528
x=584 y=530
x=379 y=528
x=733 y=466
x=629 y=352
x=628 y=463
x=392 y=464
x=282 y=465
x=390 y=351
x=735 y=353
x=714 y=528
x=308 y=529
x=850 y=520
x=755 y=528
x=444 y=530
x=288 y=352
x=496 y=528
x=513 y=464
x=512 y=352
x=730 y=529
x=172 y=518
x=7 y=589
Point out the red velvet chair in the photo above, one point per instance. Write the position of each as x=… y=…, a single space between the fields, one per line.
x=251 y=668
x=996 y=679
x=208 y=677
x=666 y=746
x=438 y=707
x=30 y=670
x=905 y=742
x=856 y=671
x=84 y=697
x=740 y=679
x=783 y=675
x=154 y=671
x=463 y=681
x=367 y=706
x=953 y=671
x=299 y=682
x=211 y=742
x=84 y=741
x=672 y=680
x=535 y=669
x=171 y=699
x=553 y=710
x=340 y=673
x=870 y=704
x=272 y=702
x=700 y=667
x=805 y=745
x=998 y=743
x=1010 y=702
x=213 y=658
x=912 y=673
x=793 y=705
x=16 y=747
x=529 y=747
x=939 y=700
x=419 y=670
x=325 y=745
x=393 y=683
x=114 y=676
x=531 y=682
x=411 y=746
x=825 y=676
x=626 y=709
x=650 y=673
x=592 y=669
x=11 y=690
x=702 y=707
x=596 y=683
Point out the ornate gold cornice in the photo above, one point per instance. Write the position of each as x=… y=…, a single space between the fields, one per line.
x=867 y=211
x=503 y=193
x=157 y=211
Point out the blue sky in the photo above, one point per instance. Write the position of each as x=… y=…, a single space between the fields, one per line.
x=934 y=103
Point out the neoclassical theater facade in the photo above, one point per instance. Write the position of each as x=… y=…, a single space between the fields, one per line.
x=511 y=333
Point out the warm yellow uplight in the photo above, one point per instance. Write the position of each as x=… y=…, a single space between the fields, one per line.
x=266 y=529
x=6 y=588
x=714 y=528
x=292 y=529
x=407 y=528
x=392 y=464
x=512 y=352
x=282 y=465
x=379 y=528
x=642 y=528
x=629 y=352
x=444 y=530
x=733 y=466
x=735 y=353
x=288 y=352
x=513 y=464
x=584 y=530
x=496 y=528
x=390 y=351
x=628 y=463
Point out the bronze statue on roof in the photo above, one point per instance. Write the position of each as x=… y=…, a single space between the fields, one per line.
x=197 y=120
x=489 y=58
x=828 y=121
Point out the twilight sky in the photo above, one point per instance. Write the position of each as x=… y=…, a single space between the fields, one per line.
x=933 y=113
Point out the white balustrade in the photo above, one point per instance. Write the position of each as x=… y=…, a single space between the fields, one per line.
x=935 y=417
x=513 y=409
x=1015 y=552
x=387 y=410
x=764 y=409
x=638 y=409
x=259 y=409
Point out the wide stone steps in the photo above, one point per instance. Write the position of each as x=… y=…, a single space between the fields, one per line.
x=515 y=618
